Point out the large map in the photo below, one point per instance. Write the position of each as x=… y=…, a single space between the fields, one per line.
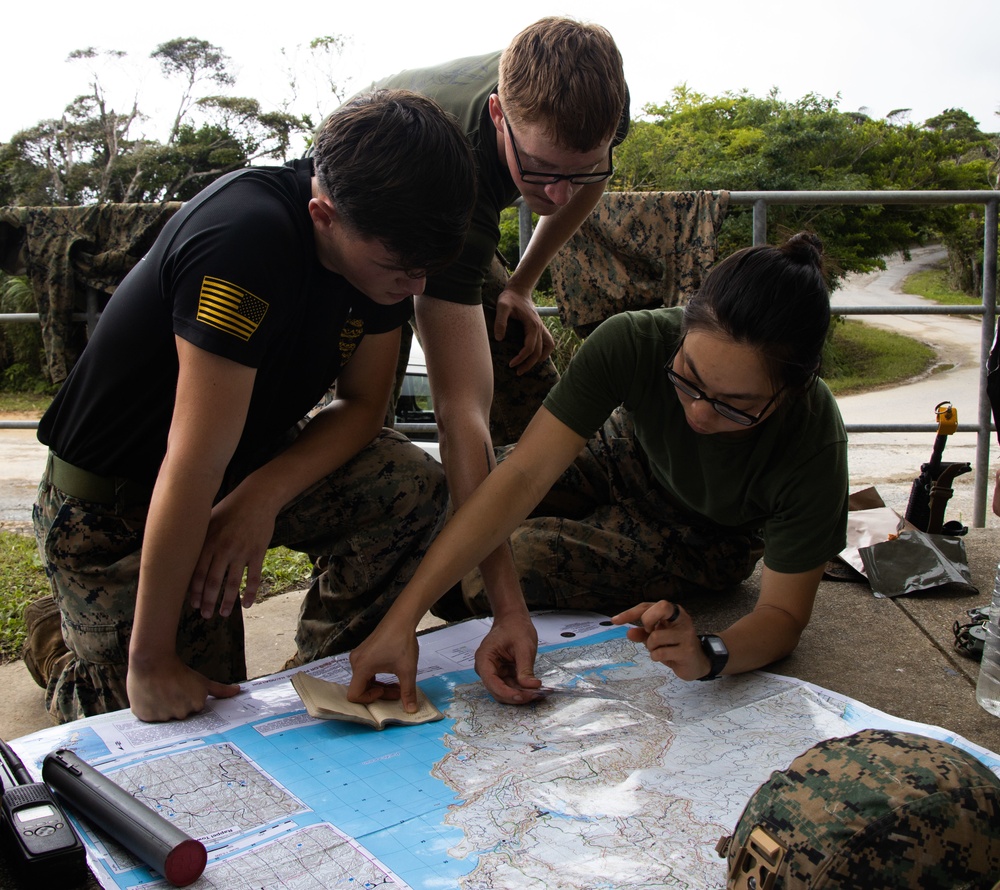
x=622 y=777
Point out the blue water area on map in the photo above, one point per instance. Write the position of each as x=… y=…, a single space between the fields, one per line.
x=83 y=741
x=373 y=786
x=377 y=787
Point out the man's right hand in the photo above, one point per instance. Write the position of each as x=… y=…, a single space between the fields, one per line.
x=170 y=690
x=505 y=661
x=389 y=649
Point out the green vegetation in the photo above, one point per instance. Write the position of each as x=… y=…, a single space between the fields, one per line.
x=742 y=142
x=934 y=284
x=22 y=581
x=283 y=570
x=860 y=357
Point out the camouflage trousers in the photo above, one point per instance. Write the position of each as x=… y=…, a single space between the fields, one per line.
x=516 y=397
x=607 y=537
x=371 y=520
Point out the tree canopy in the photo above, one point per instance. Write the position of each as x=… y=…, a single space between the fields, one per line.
x=97 y=153
x=742 y=142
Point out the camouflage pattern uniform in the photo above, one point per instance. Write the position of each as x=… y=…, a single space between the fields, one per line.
x=891 y=810
x=637 y=250
x=372 y=520
x=516 y=398
x=607 y=518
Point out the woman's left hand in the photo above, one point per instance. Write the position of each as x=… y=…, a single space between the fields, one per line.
x=668 y=633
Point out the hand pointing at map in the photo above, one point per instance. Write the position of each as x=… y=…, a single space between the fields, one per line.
x=668 y=633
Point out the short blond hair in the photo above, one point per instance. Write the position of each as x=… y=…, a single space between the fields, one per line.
x=568 y=77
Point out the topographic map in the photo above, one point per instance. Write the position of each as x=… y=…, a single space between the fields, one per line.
x=622 y=777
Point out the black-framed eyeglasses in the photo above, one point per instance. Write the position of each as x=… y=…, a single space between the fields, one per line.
x=695 y=392
x=536 y=178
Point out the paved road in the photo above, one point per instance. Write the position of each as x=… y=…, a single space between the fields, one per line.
x=888 y=461
x=891 y=460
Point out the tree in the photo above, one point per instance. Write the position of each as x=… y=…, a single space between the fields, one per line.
x=94 y=154
x=312 y=78
x=196 y=61
x=741 y=142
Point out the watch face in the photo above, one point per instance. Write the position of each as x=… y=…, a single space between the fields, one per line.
x=718 y=654
x=717 y=646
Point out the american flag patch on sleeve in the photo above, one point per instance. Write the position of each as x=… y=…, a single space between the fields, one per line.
x=230 y=308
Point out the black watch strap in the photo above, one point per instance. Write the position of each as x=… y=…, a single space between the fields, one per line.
x=718 y=654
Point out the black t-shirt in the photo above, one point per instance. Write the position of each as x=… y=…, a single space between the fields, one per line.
x=234 y=272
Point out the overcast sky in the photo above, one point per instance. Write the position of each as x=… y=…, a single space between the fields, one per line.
x=879 y=55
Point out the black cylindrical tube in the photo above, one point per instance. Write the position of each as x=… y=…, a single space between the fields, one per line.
x=178 y=857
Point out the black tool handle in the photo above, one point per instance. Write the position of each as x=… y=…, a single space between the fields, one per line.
x=163 y=846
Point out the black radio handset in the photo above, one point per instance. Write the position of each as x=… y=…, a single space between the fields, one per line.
x=36 y=832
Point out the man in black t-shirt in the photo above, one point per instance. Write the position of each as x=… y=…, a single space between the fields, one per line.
x=177 y=456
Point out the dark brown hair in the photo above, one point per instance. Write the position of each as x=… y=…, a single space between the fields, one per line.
x=399 y=169
x=773 y=299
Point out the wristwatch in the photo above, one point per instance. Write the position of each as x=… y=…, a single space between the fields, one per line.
x=717 y=653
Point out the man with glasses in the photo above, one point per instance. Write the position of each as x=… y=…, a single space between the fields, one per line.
x=543 y=117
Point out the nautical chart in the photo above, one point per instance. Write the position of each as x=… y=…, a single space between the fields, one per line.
x=623 y=776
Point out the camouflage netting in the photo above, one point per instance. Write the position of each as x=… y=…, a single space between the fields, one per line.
x=65 y=250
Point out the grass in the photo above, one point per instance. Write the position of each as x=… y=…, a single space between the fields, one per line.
x=22 y=581
x=30 y=404
x=862 y=358
x=858 y=357
x=933 y=284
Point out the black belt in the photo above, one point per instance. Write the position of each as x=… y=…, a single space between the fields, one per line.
x=87 y=486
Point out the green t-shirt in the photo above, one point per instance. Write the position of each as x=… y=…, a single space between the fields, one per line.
x=786 y=477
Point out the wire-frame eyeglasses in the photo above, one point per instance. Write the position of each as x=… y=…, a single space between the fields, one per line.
x=692 y=391
x=536 y=178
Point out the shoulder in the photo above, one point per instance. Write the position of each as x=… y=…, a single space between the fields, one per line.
x=462 y=87
x=642 y=327
x=264 y=205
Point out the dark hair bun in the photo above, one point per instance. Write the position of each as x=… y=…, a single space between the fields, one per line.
x=804 y=247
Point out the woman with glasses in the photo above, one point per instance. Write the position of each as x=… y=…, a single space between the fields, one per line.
x=716 y=445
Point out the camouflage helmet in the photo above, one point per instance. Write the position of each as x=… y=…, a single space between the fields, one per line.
x=874 y=809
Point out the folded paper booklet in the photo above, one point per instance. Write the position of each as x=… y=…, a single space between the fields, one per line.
x=328 y=701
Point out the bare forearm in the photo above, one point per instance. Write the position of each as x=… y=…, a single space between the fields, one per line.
x=175 y=530
x=772 y=630
x=760 y=638
x=465 y=475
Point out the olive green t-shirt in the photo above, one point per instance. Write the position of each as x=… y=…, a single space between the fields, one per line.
x=463 y=87
x=785 y=477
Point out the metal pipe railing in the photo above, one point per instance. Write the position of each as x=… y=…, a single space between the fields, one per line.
x=760 y=201
x=983 y=428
